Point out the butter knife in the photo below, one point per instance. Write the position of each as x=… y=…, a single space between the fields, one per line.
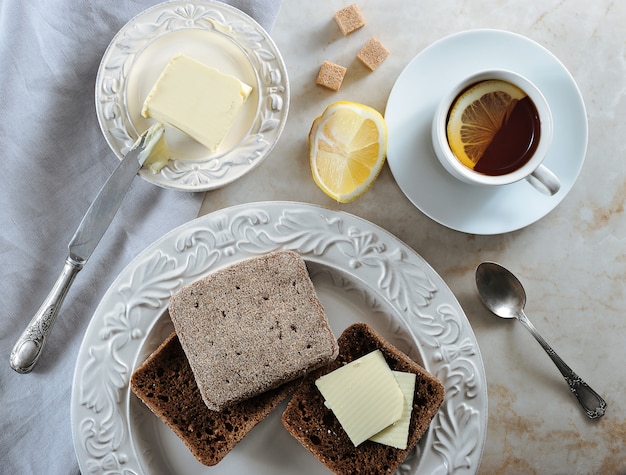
x=94 y=224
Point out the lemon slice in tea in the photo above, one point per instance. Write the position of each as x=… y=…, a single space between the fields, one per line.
x=477 y=115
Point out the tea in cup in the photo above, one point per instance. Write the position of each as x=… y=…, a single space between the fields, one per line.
x=495 y=128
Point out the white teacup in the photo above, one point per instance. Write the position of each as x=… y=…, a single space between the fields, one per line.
x=533 y=170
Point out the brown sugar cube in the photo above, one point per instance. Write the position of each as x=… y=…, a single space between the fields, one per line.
x=372 y=54
x=331 y=75
x=349 y=19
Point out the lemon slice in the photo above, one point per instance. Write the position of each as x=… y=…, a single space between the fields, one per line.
x=477 y=115
x=348 y=146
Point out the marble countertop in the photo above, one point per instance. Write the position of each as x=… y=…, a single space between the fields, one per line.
x=571 y=261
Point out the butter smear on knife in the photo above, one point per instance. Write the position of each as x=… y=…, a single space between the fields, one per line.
x=155 y=154
x=196 y=99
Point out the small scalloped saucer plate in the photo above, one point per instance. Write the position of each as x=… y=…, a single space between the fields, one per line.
x=411 y=106
x=360 y=272
x=217 y=35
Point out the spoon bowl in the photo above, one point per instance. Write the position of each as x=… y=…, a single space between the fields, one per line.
x=504 y=295
x=500 y=290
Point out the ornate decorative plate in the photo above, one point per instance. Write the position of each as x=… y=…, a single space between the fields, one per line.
x=217 y=35
x=361 y=273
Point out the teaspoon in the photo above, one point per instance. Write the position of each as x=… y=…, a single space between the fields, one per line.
x=503 y=294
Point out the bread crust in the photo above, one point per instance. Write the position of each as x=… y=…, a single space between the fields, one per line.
x=165 y=383
x=251 y=327
x=318 y=430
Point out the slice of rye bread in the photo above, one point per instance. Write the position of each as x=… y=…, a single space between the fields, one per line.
x=165 y=383
x=251 y=327
x=318 y=430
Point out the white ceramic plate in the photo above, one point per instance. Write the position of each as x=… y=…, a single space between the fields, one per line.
x=361 y=273
x=217 y=35
x=411 y=107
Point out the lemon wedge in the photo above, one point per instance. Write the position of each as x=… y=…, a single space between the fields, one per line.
x=348 y=146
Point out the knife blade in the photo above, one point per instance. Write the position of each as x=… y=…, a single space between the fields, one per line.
x=102 y=210
x=92 y=227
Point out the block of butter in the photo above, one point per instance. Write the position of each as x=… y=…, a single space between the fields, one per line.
x=196 y=99
x=364 y=396
x=397 y=434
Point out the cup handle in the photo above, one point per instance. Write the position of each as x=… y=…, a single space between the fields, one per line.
x=544 y=180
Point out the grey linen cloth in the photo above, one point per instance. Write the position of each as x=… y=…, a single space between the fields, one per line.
x=54 y=160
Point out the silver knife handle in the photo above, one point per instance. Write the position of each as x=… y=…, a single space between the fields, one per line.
x=28 y=347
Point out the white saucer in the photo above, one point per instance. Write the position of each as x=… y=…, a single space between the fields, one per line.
x=410 y=109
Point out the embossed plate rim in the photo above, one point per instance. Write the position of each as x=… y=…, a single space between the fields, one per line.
x=423 y=303
x=157 y=22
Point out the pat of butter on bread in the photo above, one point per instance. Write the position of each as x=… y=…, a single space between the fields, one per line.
x=196 y=99
x=364 y=396
x=397 y=434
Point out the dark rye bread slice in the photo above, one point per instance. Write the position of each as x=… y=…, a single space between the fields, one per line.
x=318 y=430
x=165 y=383
x=251 y=327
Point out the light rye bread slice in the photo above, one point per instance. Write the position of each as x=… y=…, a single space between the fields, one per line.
x=251 y=327
x=318 y=430
x=165 y=383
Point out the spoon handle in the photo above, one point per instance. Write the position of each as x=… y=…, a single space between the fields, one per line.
x=590 y=400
